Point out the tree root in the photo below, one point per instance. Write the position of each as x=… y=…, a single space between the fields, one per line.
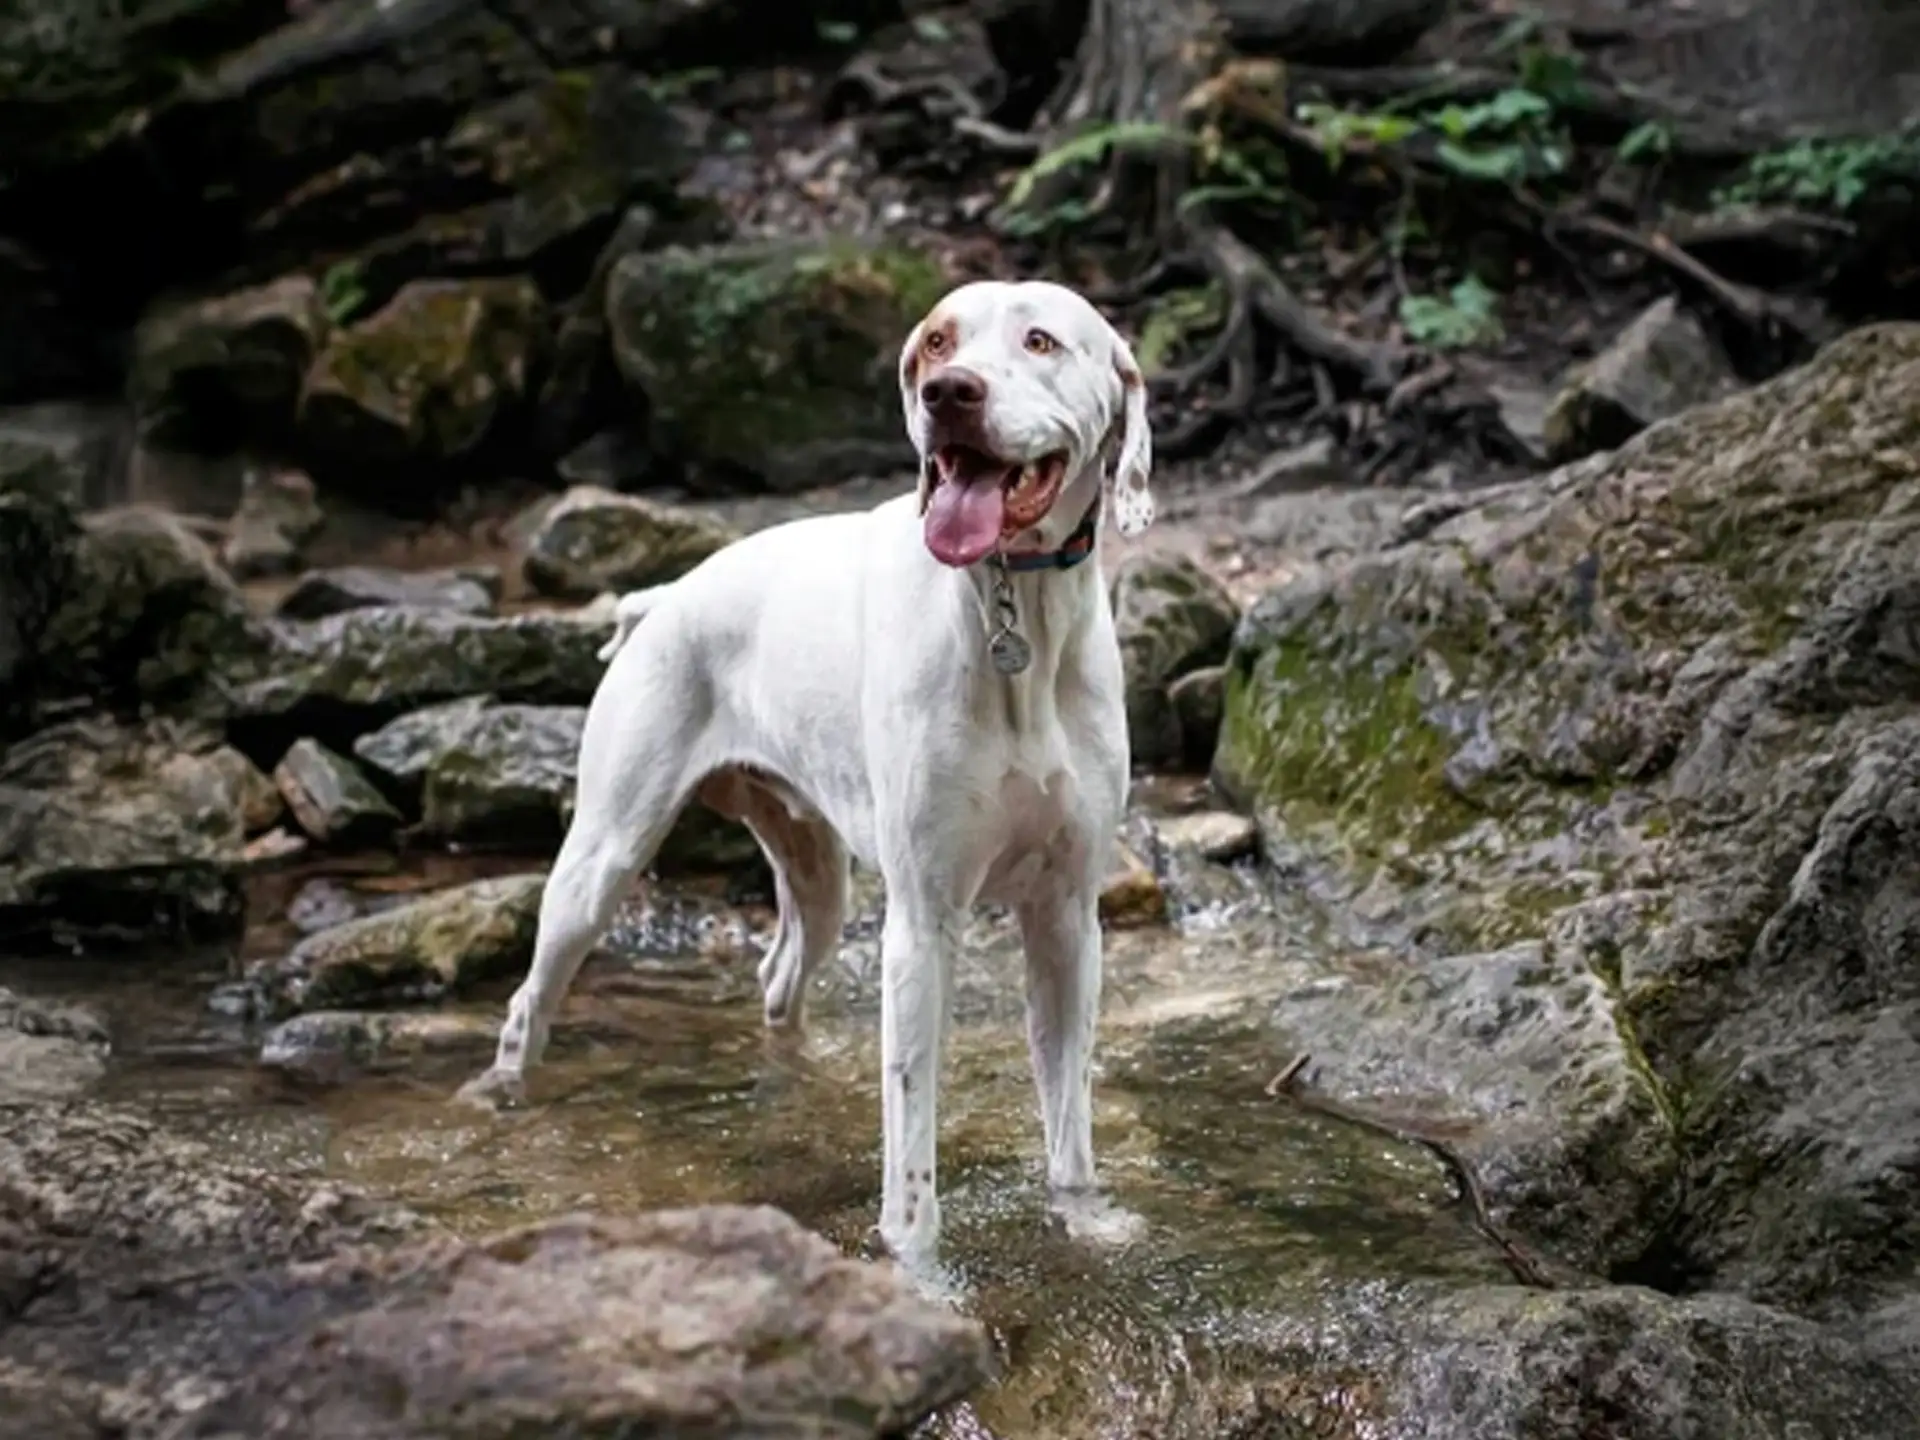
x=1291 y=1084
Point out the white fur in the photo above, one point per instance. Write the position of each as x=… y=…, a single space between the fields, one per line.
x=827 y=681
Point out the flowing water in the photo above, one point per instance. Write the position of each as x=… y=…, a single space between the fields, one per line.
x=1274 y=1232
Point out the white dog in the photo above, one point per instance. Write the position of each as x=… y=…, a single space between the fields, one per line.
x=932 y=686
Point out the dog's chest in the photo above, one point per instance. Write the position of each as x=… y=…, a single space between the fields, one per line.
x=1036 y=836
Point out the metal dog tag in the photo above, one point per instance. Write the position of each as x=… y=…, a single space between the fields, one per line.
x=1007 y=648
x=1009 y=652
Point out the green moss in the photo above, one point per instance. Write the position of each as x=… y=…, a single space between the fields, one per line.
x=748 y=351
x=1329 y=740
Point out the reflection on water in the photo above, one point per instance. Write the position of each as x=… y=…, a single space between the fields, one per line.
x=1273 y=1233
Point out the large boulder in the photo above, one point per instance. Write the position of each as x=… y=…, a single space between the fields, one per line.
x=114 y=830
x=593 y=540
x=695 y=1317
x=772 y=363
x=163 y=1283
x=1620 y=767
x=427 y=377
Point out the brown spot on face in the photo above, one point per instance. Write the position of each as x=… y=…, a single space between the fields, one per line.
x=1130 y=375
x=939 y=337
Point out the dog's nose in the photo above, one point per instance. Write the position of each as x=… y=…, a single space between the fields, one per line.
x=953 y=389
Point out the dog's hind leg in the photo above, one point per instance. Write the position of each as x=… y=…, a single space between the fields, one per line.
x=810 y=874
x=632 y=786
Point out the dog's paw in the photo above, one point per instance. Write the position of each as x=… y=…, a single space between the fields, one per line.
x=493 y=1090
x=919 y=1267
x=1089 y=1217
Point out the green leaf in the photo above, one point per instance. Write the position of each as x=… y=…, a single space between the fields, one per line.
x=1465 y=316
x=1649 y=140
x=1497 y=164
x=932 y=29
x=837 y=32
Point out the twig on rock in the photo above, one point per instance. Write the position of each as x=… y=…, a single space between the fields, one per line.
x=1289 y=1084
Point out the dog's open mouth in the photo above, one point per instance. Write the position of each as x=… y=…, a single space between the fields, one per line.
x=980 y=500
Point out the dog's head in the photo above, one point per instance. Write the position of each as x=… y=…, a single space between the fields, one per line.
x=1019 y=397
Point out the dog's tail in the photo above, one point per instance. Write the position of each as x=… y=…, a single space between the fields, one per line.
x=627 y=615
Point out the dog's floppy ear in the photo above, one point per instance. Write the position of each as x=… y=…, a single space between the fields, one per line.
x=909 y=387
x=1132 y=444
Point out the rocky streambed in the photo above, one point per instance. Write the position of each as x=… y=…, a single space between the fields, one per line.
x=1564 y=826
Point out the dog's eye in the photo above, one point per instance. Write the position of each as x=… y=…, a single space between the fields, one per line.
x=1041 y=343
x=935 y=343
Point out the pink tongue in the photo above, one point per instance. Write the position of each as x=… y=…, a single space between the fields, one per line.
x=964 y=519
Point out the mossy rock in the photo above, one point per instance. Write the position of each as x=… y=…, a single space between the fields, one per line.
x=227 y=366
x=774 y=362
x=595 y=540
x=134 y=830
x=429 y=376
x=1656 y=716
x=147 y=617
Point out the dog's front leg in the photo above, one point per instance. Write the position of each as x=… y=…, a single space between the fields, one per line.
x=1060 y=932
x=916 y=960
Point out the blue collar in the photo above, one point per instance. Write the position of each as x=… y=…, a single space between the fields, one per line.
x=1077 y=547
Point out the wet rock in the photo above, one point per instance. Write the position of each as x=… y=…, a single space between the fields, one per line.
x=261 y=804
x=1172 y=618
x=328 y=1044
x=422 y=950
x=1199 y=698
x=506 y=774
x=147 y=615
x=153 y=1280
x=226 y=366
x=595 y=540
x=1661 y=364
x=1217 y=835
x=1617 y=765
x=1331 y=32
x=47 y=1052
x=276 y=516
x=772 y=363
x=1131 y=896
x=684 y=1307
x=469 y=590
x=120 y=1239
x=428 y=376
x=333 y=801
x=384 y=661
x=105 y=829
x=1630 y=1363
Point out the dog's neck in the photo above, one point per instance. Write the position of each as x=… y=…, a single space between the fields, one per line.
x=1052 y=601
